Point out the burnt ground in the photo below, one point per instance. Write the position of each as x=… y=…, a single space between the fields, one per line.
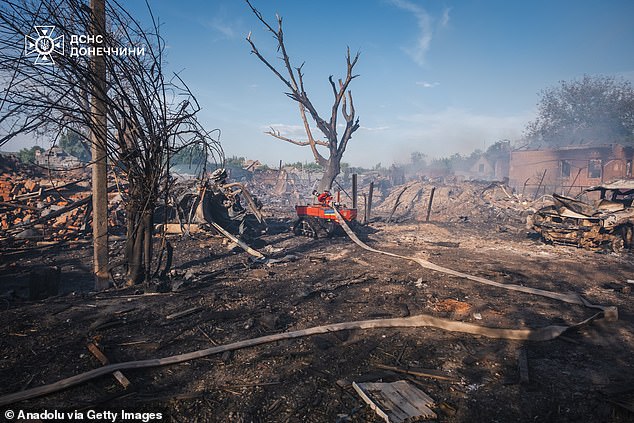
x=585 y=375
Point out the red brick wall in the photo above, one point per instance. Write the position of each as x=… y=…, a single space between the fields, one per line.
x=527 y=168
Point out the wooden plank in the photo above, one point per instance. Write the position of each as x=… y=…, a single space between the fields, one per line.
x=391 y=408
x=18 y=206
x=414 y=394
x=175 y=228
x=430 y=373
x=183 y=313
x=396 y=402
x=369 y=401
x=419 y=399
x=99 y=355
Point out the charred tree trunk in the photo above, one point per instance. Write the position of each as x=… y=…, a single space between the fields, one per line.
x=150 y=116
x=138 y=249
x=134 y=246
x=293 y=79
x=331 y=170
x=147 y=242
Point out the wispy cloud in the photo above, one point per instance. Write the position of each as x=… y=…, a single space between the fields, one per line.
x=223 y=28
x=374 y=128
x=453 y=130
x=444 y=20
x=290 y=131
x=425 y=23
x=426 y=84
x=439 y=133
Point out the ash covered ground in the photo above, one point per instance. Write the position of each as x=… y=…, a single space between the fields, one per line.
x=584 y=375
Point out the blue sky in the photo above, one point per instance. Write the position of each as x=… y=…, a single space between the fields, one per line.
x=436 y=76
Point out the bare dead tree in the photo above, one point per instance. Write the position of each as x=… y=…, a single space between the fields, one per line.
x=151 y=115
x=293 y=79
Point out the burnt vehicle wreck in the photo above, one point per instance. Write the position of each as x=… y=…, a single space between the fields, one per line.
x=601 y=217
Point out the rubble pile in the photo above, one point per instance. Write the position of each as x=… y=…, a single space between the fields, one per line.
x=49 y=208
x=471 y=201
x=283 y=188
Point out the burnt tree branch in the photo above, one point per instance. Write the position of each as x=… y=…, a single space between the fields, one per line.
x=150 y=114
x=293 y=79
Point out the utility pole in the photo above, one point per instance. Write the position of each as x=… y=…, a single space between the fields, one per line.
x=98 y=138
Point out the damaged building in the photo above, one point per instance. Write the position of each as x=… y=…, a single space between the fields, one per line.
x=570 y=169
x=56 y=158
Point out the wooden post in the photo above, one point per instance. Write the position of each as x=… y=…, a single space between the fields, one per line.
x=365 y=208
x=431 y=200
x=98 y=139
x=574 y=181
x=354 y=190
x=368 y=206
x=540 y=185
x=524 y=187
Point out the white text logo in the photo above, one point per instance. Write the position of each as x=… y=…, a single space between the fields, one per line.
x=44 y=45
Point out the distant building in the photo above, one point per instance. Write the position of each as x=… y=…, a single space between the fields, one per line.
x=481 y=169
x=570 y=169
x=490 y=166
x=57 y=159
x=252 y=165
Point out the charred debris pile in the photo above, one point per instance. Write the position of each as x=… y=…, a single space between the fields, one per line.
x=454 y=201
x=39 y=207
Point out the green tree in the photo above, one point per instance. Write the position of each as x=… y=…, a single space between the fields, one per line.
x=594 y=109
x=236 y=161
x=75 y=145
x=312 y=167
x=27 y=155
x=499 y=147
x=192 y=155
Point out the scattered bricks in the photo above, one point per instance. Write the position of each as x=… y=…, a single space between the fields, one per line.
x=79 y=196
x=61 y=220
x=5 y=188
x=18 y=189
x=41 y=197
x=31 y=186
